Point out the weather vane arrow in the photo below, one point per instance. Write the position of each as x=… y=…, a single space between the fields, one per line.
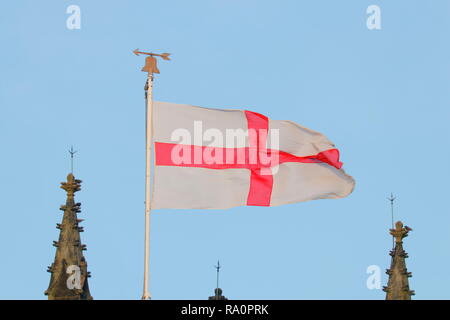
x=165 y=55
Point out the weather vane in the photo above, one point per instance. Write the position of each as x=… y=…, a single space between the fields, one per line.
x=72 y=153
x=151 y=62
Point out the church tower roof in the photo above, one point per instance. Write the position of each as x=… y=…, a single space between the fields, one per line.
x=69 y=275
x=398 y=284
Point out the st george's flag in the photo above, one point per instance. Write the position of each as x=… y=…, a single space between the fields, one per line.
x=216 y=159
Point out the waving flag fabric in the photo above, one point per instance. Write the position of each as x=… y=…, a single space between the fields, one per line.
x=216 y=159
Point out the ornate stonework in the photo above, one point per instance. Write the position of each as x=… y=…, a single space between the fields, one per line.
x=398 y=284
x=69 y=273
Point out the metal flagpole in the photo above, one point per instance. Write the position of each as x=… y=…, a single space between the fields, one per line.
x=151 y=68
x=148 y=166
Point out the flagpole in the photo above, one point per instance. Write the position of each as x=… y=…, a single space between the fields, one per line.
x=151 y=68
x=148 y=166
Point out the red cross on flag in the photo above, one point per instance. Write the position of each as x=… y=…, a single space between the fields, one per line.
x=217 y=159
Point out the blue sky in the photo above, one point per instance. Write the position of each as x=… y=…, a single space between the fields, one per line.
x=380 y=95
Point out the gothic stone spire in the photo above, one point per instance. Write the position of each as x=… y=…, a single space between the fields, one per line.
x=398 y=285
x=69 y=273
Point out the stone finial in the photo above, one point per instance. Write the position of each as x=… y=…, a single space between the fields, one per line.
x=399 y=232
x=217 y=295
x=71 y=186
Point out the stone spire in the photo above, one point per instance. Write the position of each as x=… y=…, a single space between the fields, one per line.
x=398 y=285
x=69 y=273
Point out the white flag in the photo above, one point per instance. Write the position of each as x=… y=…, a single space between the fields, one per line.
x=216 y=159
